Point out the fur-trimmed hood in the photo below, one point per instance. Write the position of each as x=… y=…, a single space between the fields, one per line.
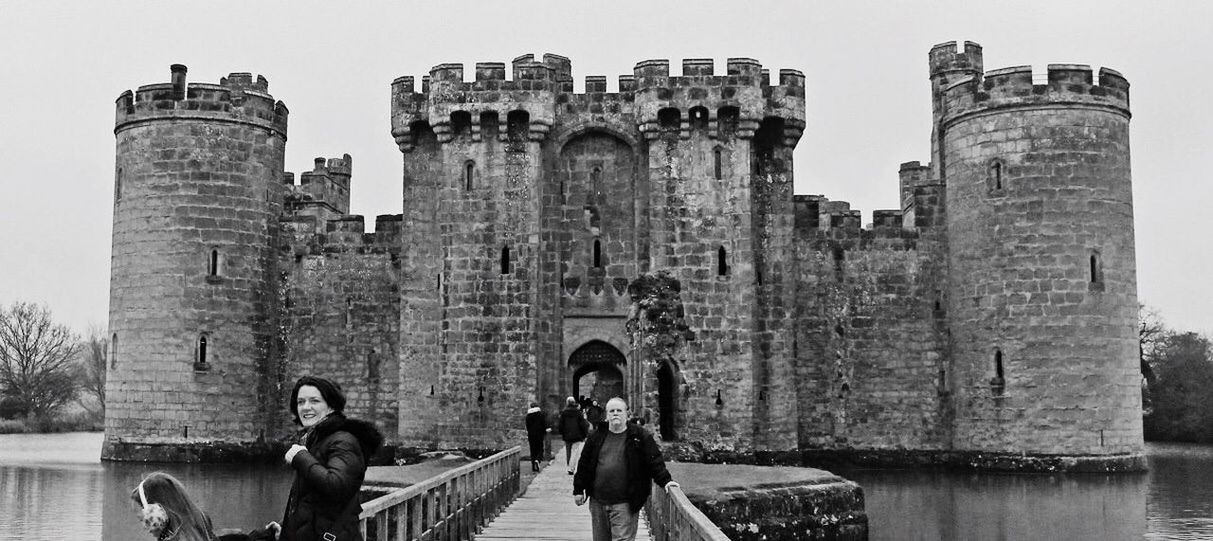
x=369 y=438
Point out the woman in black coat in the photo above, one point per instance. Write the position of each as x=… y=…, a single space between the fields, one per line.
x=536 y=434
x=329 y=465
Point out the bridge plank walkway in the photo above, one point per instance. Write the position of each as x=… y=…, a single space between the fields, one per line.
x=547 y=512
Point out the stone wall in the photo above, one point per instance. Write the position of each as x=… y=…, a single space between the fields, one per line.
x=871 y=363
x=342 y=299
x=598 y=176
x=775 y=406
x=595 y=242
x=423 y=298
x=770 y=503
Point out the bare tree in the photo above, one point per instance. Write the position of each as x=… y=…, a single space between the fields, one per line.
x=36 y=359
x=92 y=369
x=1150 y=331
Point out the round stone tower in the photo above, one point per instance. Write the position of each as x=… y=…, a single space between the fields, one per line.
x=1042 y=296
x=197 y=194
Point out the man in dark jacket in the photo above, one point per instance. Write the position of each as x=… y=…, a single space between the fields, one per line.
x=573 y=430
x=617 y=467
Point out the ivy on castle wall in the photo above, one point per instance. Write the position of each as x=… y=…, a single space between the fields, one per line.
x=656 y=322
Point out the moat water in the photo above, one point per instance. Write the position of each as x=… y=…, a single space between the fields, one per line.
x=53 y=487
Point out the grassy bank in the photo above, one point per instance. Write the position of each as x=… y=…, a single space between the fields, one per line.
x=81 y=421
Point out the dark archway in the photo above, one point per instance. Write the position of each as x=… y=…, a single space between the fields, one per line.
x=667 y=387
x=597 y=371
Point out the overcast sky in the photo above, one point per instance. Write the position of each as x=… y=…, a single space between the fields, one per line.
x=64 y=63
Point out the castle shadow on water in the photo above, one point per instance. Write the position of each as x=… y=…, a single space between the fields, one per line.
x=989 y=322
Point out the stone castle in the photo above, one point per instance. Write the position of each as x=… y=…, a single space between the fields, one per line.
x=988 y=321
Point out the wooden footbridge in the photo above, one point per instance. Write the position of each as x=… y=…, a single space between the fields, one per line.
x=546 y=512
x=481 y=501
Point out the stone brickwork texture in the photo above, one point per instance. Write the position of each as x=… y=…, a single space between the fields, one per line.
x=992 y=313
x=193 y=305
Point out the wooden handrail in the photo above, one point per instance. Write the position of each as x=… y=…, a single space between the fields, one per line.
x=453 y=505
x=672 y=517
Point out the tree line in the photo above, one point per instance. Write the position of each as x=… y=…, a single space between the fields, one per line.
x=51 y=379
x=1177 y=380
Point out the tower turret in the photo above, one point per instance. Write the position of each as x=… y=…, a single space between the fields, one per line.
x=719 y=158
x=472 y=172
x=329 y=183
x=197 y=196
x=1042 y=300
x=947 y=66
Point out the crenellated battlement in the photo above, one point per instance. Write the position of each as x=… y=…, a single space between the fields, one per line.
x=1067 y=84
x=333 y=166
x=314 y=235
x=743 y=96
x=740 y=98
x=448 y=105
x=245 y=81
x=819 y=218
x=946 y=60
x=239 y=98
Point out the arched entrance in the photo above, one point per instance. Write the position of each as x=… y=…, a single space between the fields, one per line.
x=597 y=371
x=667 y=387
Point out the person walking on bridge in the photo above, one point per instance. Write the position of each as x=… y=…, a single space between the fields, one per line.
x=573 y=430
x=617 y=468
x=536 y=434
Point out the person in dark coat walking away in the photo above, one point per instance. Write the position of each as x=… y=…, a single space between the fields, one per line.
x=595 y=414
x=573 y=430
x=329 y=463
x=617 y=468
x=536 y=434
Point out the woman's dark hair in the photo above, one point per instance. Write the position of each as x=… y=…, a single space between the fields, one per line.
x=184 y=516
x=330 y=391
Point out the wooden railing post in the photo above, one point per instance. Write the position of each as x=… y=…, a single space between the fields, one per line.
x=672 y=517
x=452 y=506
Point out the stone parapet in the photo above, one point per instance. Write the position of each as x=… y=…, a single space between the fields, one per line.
x=206 y=452
x=774 y=503
x=974 y=461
